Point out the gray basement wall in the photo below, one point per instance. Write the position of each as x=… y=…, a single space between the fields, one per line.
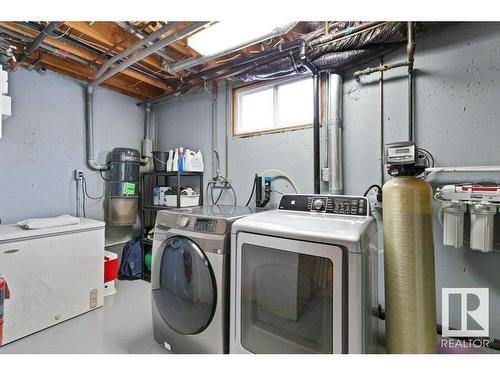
x=44 y=142
x=456 y=115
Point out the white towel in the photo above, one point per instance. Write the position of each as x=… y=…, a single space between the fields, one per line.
x=49 y=222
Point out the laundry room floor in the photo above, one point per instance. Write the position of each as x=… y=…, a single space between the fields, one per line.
x=122 y=326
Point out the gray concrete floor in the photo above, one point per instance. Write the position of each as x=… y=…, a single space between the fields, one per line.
x=122 y=325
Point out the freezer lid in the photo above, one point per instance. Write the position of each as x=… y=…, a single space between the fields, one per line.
x=12 y=232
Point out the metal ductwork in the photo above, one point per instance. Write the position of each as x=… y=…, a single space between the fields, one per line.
x=333 y=123
x=351 y=43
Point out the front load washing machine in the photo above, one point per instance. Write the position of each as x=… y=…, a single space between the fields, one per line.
x=190 y=278
x=304 y=277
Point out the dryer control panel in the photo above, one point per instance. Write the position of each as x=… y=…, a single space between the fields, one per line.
x=329 y=204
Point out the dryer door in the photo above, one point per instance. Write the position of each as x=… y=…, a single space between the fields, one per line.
x=288 y=296
x=185 y=293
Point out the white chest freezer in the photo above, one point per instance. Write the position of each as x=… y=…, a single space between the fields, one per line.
x=53 y=274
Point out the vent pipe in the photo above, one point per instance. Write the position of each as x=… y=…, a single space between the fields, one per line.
x=89 y=134
x=333 y=120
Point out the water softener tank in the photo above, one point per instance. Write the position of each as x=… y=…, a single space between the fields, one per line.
x=410 y=301
x=124 y=186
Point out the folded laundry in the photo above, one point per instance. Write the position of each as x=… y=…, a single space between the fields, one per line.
x=49 y=222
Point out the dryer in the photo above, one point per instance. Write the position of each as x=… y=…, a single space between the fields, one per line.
x=304 y=277
x=190 y=278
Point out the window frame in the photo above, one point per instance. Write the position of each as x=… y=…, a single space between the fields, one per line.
x=258 y=86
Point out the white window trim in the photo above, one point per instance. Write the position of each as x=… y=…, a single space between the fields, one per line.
x=252 y=88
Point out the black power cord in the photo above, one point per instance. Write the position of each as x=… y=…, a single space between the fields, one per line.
x=251 y=194
x=85 y=195
x=379 y=194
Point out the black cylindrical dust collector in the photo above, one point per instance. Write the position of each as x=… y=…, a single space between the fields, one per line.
x=124 y=186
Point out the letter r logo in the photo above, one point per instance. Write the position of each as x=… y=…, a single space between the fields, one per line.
x=473 y=305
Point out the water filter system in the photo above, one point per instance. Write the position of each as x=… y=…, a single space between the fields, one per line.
x=481 y=201
x=409 y=271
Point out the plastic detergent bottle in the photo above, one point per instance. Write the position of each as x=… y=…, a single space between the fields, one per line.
x=170 y=161
x=175 y=162
x=181 y=159
x=187 y=152
x=193 y=161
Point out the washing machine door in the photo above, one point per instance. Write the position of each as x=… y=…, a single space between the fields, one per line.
x=185 y=291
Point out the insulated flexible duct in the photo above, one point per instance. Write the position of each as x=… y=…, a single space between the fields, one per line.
x=390 y=32
x=283 y=67
x=410 y=300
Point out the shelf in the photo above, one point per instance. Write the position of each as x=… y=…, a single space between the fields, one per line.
x=183 y=173
x=150 y=207
x=149 y=210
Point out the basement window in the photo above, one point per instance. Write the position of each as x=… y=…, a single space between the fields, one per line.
x=268 y=108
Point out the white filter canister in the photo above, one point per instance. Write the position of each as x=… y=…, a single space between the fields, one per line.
x=482 y=220
x=453 y=223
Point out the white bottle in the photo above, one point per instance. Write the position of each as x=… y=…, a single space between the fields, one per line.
x=170 y=161
x=187 y=152
x=175 y=166
x=194 y=161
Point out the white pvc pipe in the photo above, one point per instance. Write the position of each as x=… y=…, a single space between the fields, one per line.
x=480 y=168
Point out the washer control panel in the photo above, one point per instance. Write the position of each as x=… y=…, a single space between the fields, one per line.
x=205 y=225
x=198 y=224
x=329 y=204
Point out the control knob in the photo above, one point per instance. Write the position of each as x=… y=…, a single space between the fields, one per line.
x=318 y=204
x=184 y=222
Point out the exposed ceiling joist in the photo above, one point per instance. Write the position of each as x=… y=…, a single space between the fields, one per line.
x=83 y=72
x=80 y=52
x=110 y=35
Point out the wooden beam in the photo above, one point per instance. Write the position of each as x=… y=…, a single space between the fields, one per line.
x=179 y=46
x=82 y=72
x=109 y=34
x=84 y=54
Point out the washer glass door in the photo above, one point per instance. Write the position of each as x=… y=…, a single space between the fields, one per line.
x=186 y=297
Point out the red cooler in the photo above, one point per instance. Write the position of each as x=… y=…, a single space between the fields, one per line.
x=110 y=272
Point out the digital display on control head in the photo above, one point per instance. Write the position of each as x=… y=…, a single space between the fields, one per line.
x=400 y=151
x=343 y=200
x=205 y=225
